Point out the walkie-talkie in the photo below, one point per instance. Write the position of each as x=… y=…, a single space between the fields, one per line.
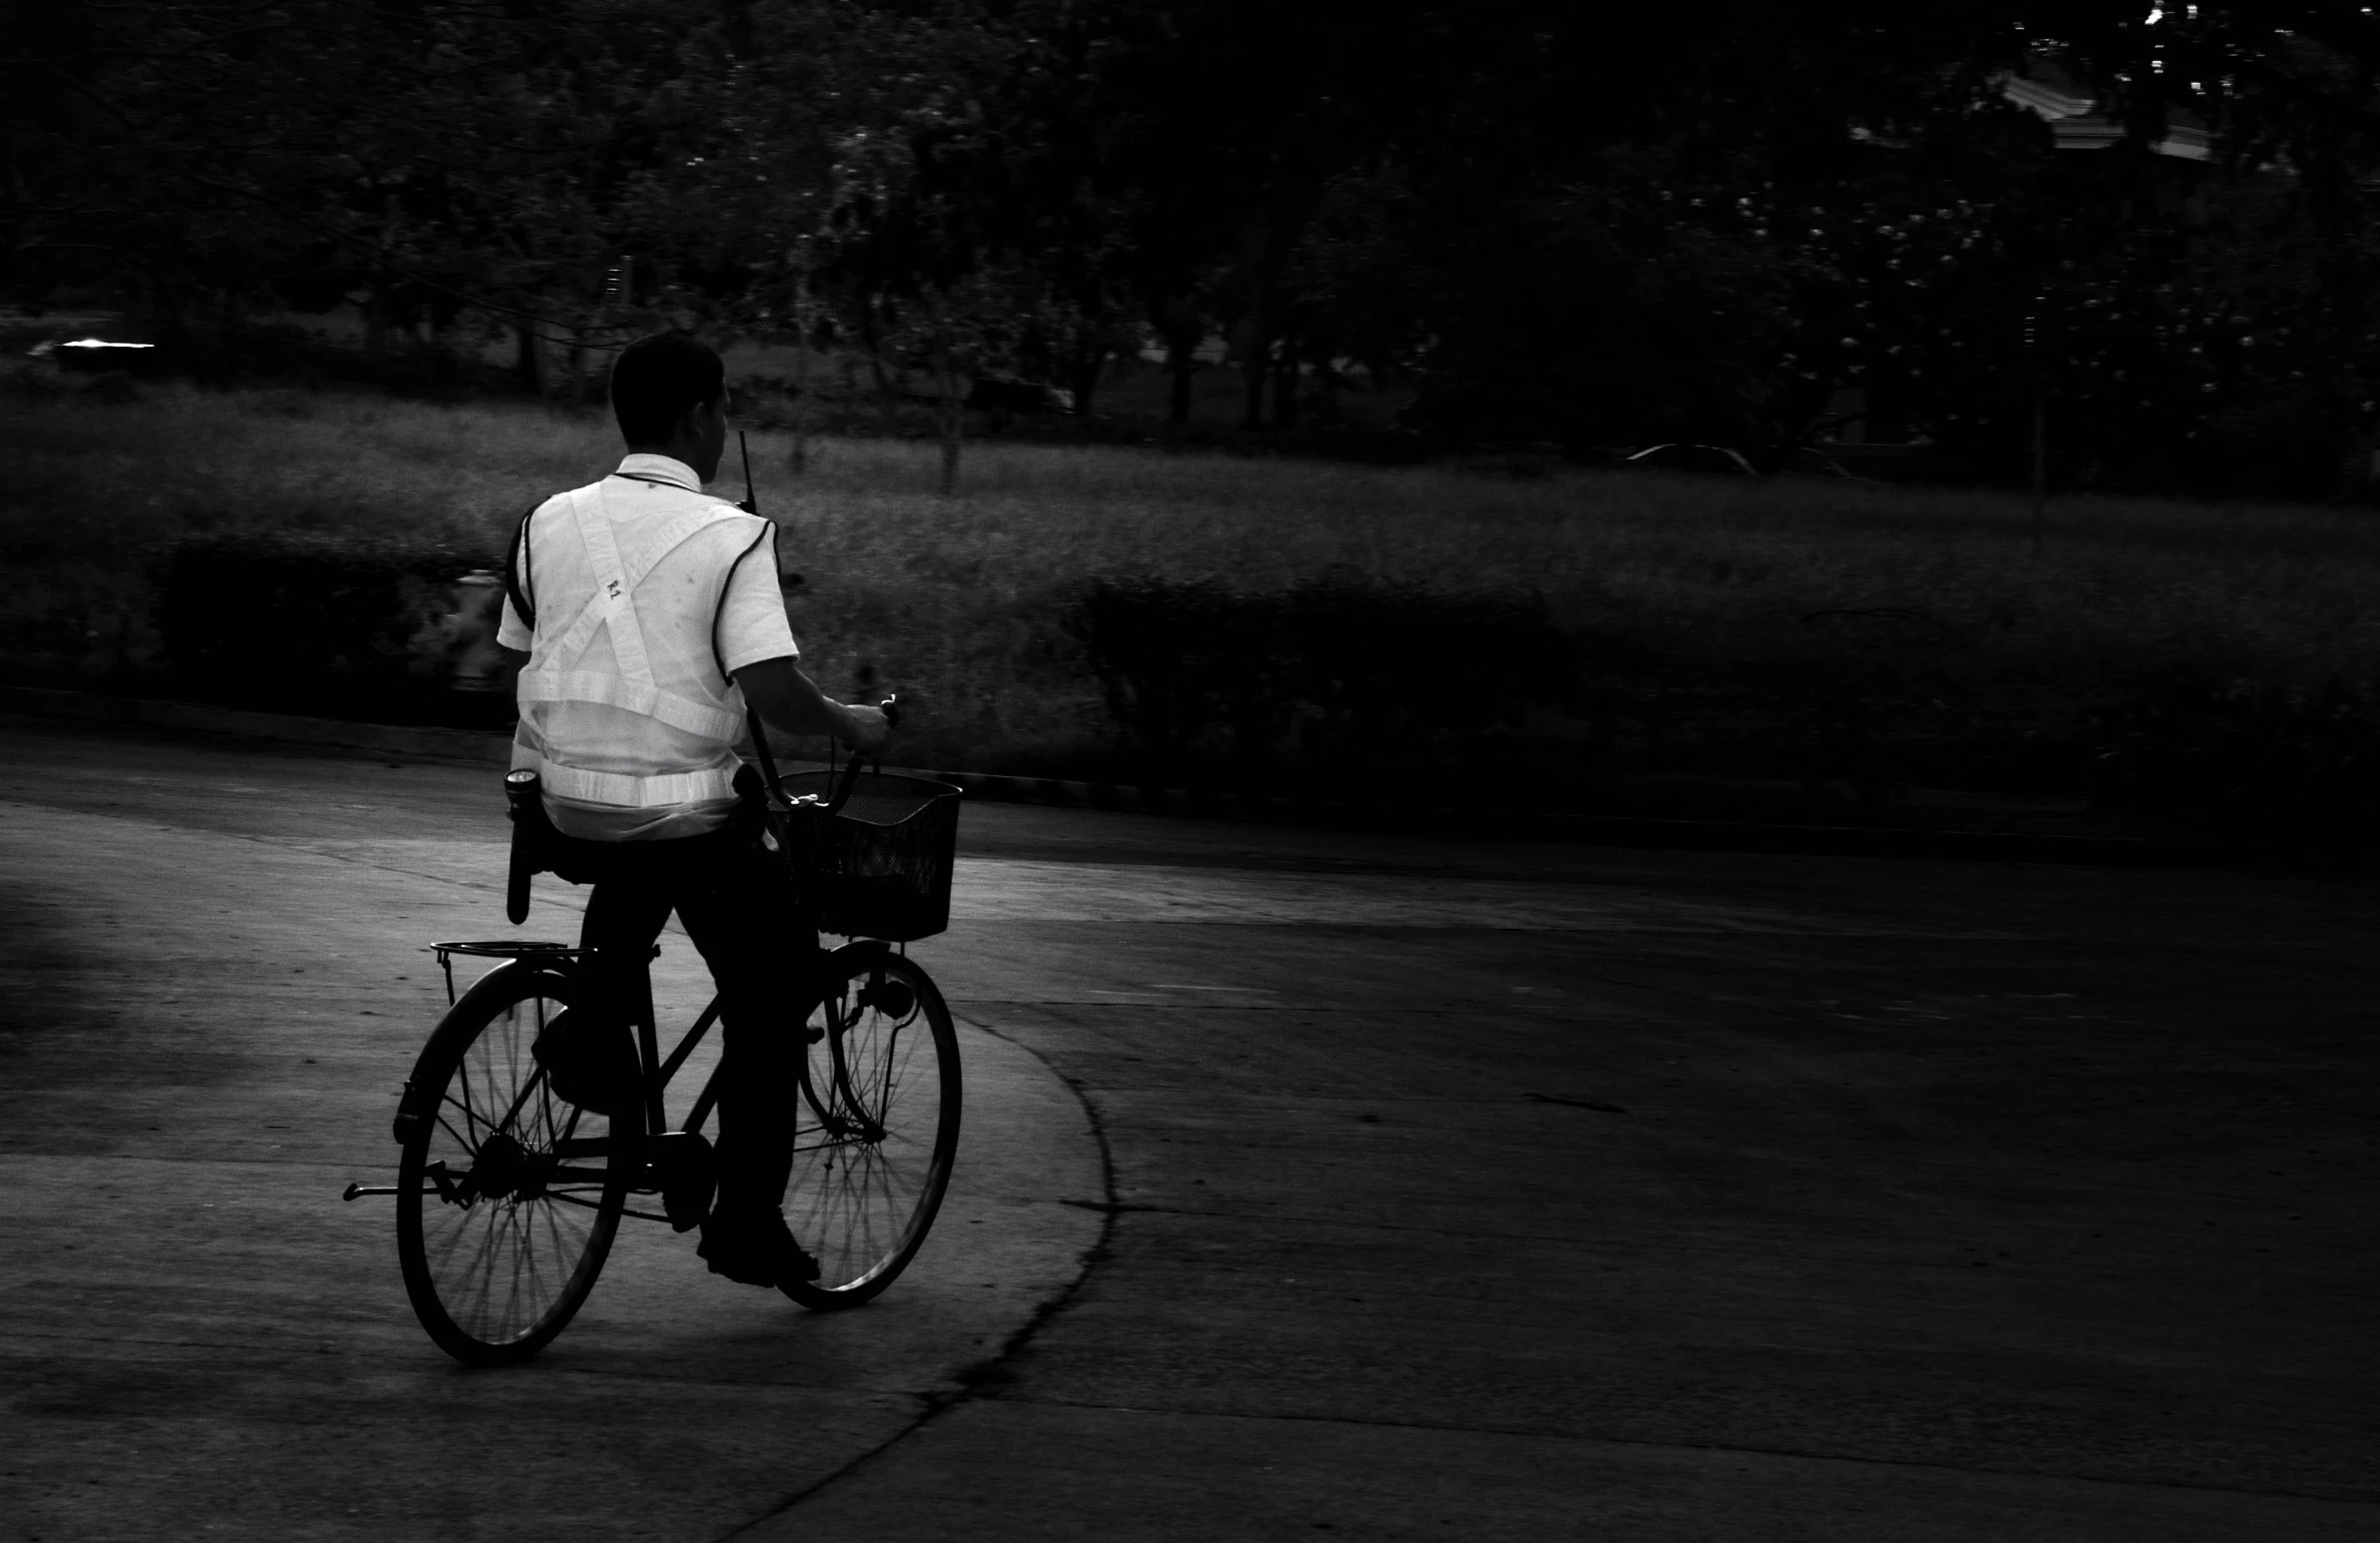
x=760 y=734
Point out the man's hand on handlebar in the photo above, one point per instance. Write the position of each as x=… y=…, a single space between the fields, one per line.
x=792 y=702
x=868 y=730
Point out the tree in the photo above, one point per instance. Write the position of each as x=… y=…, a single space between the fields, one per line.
x=914 y=260
x=1558 y=222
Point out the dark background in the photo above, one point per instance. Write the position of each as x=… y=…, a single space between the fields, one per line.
x=2088 y=248
x=1581 y=227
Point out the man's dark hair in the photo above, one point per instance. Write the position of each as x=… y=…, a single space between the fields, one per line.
x=656 y=380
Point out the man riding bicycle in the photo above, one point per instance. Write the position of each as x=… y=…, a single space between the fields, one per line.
x=649 y=617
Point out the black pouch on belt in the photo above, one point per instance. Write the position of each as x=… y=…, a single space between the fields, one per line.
x=539 y=848
x=751 y=822
x=765 y=827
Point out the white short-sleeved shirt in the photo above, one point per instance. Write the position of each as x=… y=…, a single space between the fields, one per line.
x=698 y=626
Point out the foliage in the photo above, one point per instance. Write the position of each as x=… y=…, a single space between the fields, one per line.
x=1561 y=223
x=2249 y=756
x=1837 y=644
x=1333 y=682
x=267 y=617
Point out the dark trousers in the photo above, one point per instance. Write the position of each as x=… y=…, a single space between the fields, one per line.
x=740 y=912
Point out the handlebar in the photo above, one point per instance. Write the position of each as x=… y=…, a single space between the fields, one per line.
x=850 y=777
x=891 y=709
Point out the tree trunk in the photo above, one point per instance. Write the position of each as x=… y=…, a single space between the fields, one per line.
x=888 y=396
x=797 y=459
x=578 y=364
x=227 y=339
x=1327 y=383
x=1084 y=373
x=375 y=321
x=172 y=331
x=529 y=363
x=1284 y=385
x=953 y=416
x=1257 y=256
x=1182 y=347
x=433 y=346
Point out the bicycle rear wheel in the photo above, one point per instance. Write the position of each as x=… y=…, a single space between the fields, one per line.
x=507 y=1197
x=881 y=1107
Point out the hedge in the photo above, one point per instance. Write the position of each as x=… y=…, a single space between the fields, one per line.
x=287 y=618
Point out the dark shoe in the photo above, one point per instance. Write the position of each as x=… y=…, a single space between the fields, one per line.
x=687 y=1171
x=754 y=1250
x=590 y=1066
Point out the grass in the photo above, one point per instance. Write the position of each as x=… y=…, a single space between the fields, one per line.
x=957 y=602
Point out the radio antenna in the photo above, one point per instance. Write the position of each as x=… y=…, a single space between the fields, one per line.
x=751 y=503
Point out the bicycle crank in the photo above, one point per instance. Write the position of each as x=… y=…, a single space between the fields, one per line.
x=504 y=1170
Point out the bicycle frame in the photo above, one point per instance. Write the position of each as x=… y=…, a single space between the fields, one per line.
x=657 y=1073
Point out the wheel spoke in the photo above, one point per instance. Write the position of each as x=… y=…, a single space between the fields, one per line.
x=861 y=1201
x=470 y=1147
x=493 y=1277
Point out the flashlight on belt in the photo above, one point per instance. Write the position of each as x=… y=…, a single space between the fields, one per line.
x=522 y=802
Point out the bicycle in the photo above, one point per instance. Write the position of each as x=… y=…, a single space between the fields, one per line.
x=508 y=1197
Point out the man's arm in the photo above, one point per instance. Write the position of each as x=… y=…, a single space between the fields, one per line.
x=788 y=700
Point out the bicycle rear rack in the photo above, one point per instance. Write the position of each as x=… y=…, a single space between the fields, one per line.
x=499 y=948
x=505 y=948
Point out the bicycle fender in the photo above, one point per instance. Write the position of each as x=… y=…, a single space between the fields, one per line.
x=861 y=948
x=418 y=1100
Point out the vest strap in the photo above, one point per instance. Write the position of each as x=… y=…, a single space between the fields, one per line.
x=615 y=591
x=630 y=696
x=613 y=608
x=623 y=791
x=630 y=686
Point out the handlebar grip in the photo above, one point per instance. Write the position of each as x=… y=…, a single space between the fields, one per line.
x=840 y=792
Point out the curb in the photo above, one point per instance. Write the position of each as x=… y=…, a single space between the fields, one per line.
x=493 y=748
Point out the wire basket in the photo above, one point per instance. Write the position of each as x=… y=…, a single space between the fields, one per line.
x=881 y=868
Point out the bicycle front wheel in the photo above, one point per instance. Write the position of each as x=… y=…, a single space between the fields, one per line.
x=880 y=1104
x=507 y=1197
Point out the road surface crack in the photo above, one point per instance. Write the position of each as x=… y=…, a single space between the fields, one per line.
x=986 y=1379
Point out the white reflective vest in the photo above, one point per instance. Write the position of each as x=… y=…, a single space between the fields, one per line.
x=604 y=635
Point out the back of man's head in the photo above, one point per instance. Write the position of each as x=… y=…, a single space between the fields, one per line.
x=656 y=380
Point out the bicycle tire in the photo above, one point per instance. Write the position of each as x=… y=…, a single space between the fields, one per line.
x=882 y=1100
x=500 y=1244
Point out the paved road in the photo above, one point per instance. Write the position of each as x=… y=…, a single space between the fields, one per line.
x=1312 y=1184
